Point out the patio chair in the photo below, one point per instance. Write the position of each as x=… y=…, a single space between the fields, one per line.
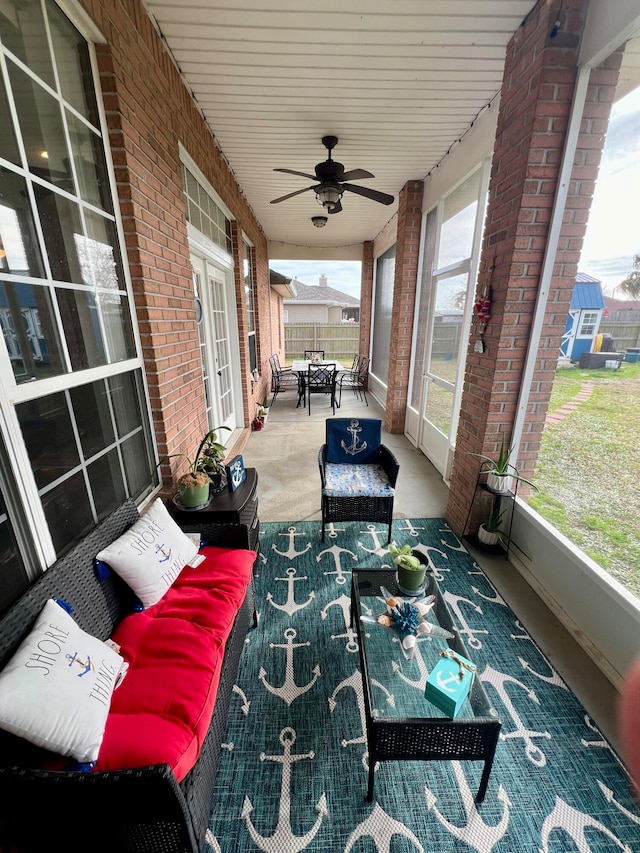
x=321 y=379
x=314 y=353
x=282 y=378
x=355 y=379
x=357 y=472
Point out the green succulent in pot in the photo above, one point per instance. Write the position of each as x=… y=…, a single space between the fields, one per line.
x=411 y=567
x=500 y=473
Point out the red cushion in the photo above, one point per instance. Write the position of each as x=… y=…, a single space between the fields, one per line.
x=161 y=712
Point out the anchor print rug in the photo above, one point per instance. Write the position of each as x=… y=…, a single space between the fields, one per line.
x=293 y=769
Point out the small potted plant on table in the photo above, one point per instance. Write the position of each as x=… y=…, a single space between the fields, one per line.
x=206 y=471
x=411 y=567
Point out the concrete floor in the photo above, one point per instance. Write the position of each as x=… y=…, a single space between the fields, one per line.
x=285 y=455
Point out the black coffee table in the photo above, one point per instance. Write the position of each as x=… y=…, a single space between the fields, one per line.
x=413 y=728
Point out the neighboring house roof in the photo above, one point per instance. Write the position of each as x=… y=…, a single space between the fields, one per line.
x=622 y=304
x=281 y=283
x=317 y=294
x=587 y=294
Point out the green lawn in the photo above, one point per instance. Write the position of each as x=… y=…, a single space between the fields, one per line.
x=589 y=469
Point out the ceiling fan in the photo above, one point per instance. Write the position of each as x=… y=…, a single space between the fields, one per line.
x=333 y=181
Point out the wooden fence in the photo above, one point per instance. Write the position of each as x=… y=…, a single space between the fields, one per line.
x=338 y=340
x=624 y=334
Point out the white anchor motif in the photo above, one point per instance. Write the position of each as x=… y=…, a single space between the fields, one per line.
x=476 y=833
x=524 y=635
x=378 y=548
x=289 y=690
x=411 y=529
x=497 y=598
x=212 y=841
x=497 y=680
x=353 y=449
x=354 y=681
x=436 y=570
x=574 y=823
x=335 y=551
x=610 y=798
x=421 y=682
x=333 y=531
x=344 y=603
x=290 y=606
x=284 y=838
x=291 y=552
x=553 y=679
x=452 y=600
x=602 y=743
x=457 y=546
x=381 y=828
x=246 y=704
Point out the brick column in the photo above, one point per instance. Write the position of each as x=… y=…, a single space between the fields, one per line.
x=366 y=297
x=405 y=284
x=539 y=82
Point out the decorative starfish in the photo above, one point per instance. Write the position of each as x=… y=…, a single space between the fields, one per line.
x=407 y=620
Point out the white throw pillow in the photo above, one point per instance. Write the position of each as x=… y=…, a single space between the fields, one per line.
x=56 y=690
x=150 y=555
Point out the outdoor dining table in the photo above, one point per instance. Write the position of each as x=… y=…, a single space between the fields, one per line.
x=301 y=366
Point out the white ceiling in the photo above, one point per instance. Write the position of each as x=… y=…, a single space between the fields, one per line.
x=397 y=81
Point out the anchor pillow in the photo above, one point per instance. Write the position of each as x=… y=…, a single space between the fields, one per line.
x=353 y=441
x=56 y=690
x=150 y=555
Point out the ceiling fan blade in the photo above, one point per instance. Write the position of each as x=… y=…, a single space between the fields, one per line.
x=293 y=172
x=291 y=195
x=355 y=175
x=337 y=207
x=374 y=195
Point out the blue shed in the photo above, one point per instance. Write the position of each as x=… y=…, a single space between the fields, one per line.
x=585 y=313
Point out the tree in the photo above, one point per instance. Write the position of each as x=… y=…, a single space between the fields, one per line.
x=631 y=284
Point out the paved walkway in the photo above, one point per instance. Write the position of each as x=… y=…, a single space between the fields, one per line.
x=570 y=406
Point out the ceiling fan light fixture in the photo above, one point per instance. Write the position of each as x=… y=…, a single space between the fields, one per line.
x=329 y=195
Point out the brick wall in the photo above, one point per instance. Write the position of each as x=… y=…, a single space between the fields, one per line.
x=149 y=112
x=539 y=80
x=404 y=296
x=366 y=297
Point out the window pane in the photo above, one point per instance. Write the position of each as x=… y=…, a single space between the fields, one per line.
x=91 y=169
x=93 y=418
x=422 y=319
x=18 y=239
x=126 y=403
x=14 y=576
x=48 y=435
x=30 y=331
x=72 y=62
x=8 y=144
x=22 y=30
x=439 y=406
x=450 y=294
x=459 y=217
x=80 y=322
x=42 y=132
x=385 y=271
x=137 y=466
x=60 y=219
x=68 y=512
x=99 y=258
x=107 y=485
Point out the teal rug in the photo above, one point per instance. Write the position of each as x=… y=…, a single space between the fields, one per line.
x=293 y=770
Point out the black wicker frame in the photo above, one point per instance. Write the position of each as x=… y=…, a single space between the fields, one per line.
x=359 y=507
x=143 y=810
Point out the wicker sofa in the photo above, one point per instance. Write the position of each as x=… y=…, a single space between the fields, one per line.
x=143 y=809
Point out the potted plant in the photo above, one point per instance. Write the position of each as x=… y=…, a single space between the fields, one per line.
x=489 y=532
x=206 y=471
x=500 y=473
x=411 y=566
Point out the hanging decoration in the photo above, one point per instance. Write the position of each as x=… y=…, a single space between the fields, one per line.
x=482 y=311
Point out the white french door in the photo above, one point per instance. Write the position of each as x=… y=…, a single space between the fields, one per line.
x=217 y=332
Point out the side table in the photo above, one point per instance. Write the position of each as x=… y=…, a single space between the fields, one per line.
x=237 y=509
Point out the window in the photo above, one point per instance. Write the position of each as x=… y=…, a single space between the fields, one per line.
x=382 y=309
x=64 y=303
x=250 y=302
x=589 y=323
x=204 y=214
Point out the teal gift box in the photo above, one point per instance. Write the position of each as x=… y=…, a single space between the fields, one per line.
x=449 y=682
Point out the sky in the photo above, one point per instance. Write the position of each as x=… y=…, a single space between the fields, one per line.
x=613 y=235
